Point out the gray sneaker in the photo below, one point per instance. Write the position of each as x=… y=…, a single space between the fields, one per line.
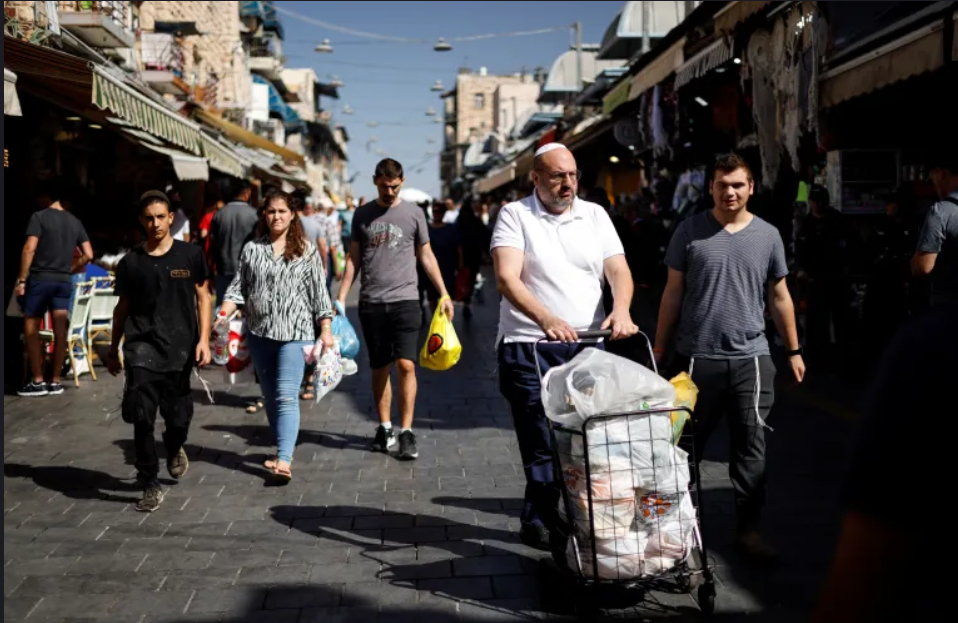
x=152 y=498
x=177 y=464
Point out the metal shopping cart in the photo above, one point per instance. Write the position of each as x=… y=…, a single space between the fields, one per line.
x=626 y=507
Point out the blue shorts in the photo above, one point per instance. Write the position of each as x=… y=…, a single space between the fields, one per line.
x=44 y=296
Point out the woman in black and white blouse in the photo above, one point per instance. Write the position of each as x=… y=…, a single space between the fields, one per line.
x=282 y=286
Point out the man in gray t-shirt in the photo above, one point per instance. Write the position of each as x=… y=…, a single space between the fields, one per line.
x=937 y=253
x=388 y=236
x=722 y=264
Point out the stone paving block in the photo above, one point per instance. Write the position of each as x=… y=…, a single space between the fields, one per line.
x=200 y=579
x=487 y=565
x=459 y=588
x=219 y=543
x=11 y=581
x=359 y=571
x=384 y=594
x=45 y=566
x=244 y=558
x=330 y=554
x=87 y=548
x=297 y=597
x=92 y=606
x=362 y=614
x=233 y=602
x=113 y=583
x=51 y=585
x=177 y=561
x=17 y=607
x=415 y=535
x=286 y=575
x=384 y=522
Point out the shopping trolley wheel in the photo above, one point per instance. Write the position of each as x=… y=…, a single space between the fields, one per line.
x=706 y=595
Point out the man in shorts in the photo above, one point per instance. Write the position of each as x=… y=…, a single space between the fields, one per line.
x=164 y=314
x=45 y=283
x=388 y=236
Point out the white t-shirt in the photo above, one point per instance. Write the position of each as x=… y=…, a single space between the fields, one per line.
x=450 y=217
x=564 y=263
x=181 y=226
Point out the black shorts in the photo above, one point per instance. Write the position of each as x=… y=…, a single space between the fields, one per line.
x=391 y=331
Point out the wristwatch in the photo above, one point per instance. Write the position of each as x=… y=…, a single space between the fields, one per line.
x=795 y=353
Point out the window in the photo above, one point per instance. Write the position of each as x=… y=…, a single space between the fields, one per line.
x=479 y=100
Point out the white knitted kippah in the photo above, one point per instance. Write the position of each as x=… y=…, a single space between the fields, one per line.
x=549 y=147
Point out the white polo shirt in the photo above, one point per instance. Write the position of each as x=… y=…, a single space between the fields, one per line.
x=564 y=263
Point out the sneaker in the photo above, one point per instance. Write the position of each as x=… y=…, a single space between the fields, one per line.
x=152 y=498
x=536 y=537
x=33 y=390
x=384 y=439
x=751 y=545
x=178 y=464
x=407 y=446
x=54 y=389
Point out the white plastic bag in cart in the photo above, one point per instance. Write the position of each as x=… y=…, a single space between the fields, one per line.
x=596 y=382
x=670 y=523
x=619 y=559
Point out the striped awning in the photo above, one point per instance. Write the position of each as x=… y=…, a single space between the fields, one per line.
x=717 y=53
x=221 y=157
x=112 y=94
x=188 y=168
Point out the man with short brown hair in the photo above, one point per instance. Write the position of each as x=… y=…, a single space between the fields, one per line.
x=722 y=263
x=390 y=235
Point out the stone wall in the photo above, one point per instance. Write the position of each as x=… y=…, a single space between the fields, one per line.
x=214 y=59
x=474 y=121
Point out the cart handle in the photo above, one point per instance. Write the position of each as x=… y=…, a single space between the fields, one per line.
x=593 y=335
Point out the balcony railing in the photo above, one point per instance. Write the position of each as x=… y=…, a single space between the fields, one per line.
x=120 y=12
x=162 y=52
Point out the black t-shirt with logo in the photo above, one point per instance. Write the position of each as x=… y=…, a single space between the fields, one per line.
x=161 y=331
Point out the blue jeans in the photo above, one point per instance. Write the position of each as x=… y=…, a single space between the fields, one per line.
x=280 y=369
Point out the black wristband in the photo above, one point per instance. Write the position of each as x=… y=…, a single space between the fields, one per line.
x=794 y=353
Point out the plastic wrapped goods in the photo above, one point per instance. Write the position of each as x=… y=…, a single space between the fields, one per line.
x=596 y=382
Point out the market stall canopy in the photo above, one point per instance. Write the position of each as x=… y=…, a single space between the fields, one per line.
x=623 y=38
x=242 y=135
x=188 y=168
x=495 y=179
x=562 y=80
x=11 y=103
x=110 y=93
x=716 y=53
x=915 y=53
x=669 y=61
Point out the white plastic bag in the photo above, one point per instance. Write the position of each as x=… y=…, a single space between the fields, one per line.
x=619 y=559
x=239 y=367
x=596 y=382
x=329 y=370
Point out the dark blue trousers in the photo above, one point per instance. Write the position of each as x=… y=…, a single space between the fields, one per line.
x=519 y=384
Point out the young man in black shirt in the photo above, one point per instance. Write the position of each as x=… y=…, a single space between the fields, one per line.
x=164 y=314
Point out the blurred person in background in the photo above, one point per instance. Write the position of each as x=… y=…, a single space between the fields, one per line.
x=231 y=228
x=446 y=245
x=937 y=255
x=475 y=237
x=181 y=222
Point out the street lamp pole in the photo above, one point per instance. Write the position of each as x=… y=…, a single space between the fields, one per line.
x=578 y=54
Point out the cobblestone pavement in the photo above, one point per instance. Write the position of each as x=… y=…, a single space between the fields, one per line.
x=356 y=535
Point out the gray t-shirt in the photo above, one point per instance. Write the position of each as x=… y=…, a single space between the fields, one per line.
x=939 y=235
x=314 y=228
x=231 y=229
x=726 y=278
x=389 y=239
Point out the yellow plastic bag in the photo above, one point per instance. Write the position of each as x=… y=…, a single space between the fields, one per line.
x=686 y=394
x=442 y=348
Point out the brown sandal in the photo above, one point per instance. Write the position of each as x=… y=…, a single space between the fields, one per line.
x=282 y=475
x=255 y=407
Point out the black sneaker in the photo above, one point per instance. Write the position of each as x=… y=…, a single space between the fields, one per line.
x=407 y=446
x=152 y=498
x=54 y=389
x=536 y=537
x=33 y=390
x=385 y=439
x=178 y=464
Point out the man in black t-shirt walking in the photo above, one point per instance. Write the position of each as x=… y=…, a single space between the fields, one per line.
x=164 y=314
x=45 y=283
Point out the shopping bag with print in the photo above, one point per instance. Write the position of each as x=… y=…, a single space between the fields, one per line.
x=239 y=366
x=329 y=371
x=344 y=332
x=442 y=348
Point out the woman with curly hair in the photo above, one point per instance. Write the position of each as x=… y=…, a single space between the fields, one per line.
x=282 y=286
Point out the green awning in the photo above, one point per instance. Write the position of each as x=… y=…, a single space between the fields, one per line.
x=112 y=94
x=221 y=157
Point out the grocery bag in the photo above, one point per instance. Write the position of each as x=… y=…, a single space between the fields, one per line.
x=442 y=348
x=239 y=366
x=686 y=394
x=329 y=369
x=340 y=260
x=345 y=333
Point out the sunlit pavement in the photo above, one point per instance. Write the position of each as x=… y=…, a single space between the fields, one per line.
x=358 y=535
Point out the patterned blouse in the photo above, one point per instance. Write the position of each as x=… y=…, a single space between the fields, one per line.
x=283 y=301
